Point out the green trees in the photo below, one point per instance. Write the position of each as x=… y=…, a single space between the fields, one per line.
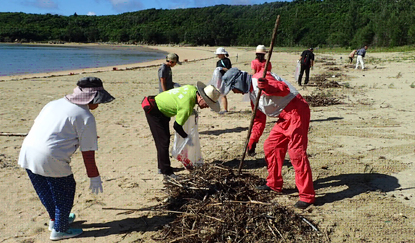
x=350 y=23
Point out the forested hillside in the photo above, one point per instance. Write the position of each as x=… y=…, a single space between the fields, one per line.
x=303 y=23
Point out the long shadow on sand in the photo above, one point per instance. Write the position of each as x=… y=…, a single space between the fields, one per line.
x=248 y=163
x=122 y=226
x=222 y=131
x=355 y=184
x=327 y=119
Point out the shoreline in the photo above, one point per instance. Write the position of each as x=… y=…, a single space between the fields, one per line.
x=186 y=54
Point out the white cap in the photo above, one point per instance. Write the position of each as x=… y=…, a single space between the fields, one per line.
x=261 y=49
x=221 y=50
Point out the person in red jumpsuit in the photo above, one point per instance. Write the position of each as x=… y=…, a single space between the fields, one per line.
x=279 y=99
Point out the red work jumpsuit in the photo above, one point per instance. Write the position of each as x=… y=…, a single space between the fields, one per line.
x=289 y=133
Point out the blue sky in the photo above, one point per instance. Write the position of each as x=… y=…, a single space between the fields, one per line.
x=108 y=7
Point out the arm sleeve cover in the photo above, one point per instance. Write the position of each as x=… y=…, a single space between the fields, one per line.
x=179 y=130
x=90 y=165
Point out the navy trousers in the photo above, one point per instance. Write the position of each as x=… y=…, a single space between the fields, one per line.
x=57 y=195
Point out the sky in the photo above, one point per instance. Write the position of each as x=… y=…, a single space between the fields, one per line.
x=109 y=7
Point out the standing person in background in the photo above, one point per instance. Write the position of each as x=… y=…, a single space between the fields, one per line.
x=259 y=62
x=360 y=55
x=307 y=62
x=165 y=74
x=351 y=56
x=61 y=127
x=225 y=63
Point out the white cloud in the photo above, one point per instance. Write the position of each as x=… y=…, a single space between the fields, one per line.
x=45 y=4
x=126 y=5
x=91 y=13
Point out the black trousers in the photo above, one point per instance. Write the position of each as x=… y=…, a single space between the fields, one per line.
x=307 y=74
x=160 y=129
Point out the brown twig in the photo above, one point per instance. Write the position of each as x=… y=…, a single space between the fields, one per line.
x=308 y=222
x=244 y=202
x=181 y=238
x=9 y=134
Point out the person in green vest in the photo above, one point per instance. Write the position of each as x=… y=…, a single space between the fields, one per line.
x=178 y=102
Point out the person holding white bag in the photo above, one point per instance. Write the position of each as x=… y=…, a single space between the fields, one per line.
x=177 y=102
x=61 y=127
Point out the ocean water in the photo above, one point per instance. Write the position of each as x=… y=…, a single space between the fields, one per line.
x=25 y=59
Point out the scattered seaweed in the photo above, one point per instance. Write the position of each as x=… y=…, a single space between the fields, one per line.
x=212 y=204
x=321 y=99
x=321 y=81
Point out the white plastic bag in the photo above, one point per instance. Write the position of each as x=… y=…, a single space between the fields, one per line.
x=189 y=155
x=297 y=71
x=217 y=80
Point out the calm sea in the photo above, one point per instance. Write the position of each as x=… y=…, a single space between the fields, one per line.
x=23 y=59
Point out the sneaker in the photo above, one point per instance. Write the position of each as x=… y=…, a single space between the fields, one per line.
x=71 y=218
x=263 y=187
x=302 y=205
x=55 y=235
x=223 y=112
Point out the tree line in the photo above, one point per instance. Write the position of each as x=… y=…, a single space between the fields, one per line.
x=352 y=23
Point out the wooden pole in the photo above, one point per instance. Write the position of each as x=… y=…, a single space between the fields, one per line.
x=274 y=35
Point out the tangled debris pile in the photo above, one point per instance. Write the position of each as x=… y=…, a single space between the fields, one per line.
x=321 y=81
x=215 y=205
x=321 y=99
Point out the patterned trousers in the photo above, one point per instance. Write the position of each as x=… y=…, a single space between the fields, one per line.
x=57 y=195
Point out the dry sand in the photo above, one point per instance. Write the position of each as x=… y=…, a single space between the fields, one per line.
x=361 y=151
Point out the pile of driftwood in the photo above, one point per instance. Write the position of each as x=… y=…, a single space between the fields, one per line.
x=213 y=204
x=320 y=80
x=321 y=99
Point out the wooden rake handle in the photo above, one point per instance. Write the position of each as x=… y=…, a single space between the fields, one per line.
x=274 y=35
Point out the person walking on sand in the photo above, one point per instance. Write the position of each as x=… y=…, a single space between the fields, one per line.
x=224 y=63
x=281 y=100
x=360 y=57
x=307 y=62
x=61 y=127
x=351 y=56
x=259 y=62
x=177 y=102
x=165 y=74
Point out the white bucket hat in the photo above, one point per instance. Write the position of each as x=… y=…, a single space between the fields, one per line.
x=261 y=49
x=210 y=95
x=221 y=50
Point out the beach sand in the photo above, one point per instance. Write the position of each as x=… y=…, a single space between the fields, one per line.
x=361 y=151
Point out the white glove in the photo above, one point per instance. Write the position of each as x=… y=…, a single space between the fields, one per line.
x=189 y=141
x=95 y=184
